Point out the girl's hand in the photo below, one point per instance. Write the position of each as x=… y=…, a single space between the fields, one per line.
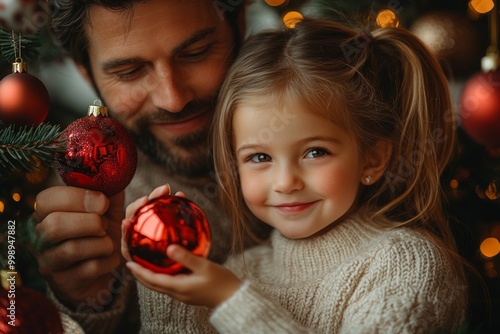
x=208 y=284
x=132 y=208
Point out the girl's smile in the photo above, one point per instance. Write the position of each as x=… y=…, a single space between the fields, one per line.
x=294 y=208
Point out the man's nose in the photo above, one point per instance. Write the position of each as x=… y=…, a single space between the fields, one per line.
x=171 y=91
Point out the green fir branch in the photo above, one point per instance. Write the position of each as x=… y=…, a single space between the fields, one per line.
x=28 y=46
x=23 y=149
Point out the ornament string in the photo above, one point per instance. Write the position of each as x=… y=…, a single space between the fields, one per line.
x=490 y=61
x=17 y=46
x=493 y=30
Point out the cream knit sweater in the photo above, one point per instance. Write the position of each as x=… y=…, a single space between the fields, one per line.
x=356 y=278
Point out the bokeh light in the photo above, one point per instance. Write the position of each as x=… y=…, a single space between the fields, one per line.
x=387 y=19
x=490 y=247
x=16 y=197
x=292 y=18
x=275 y=3
x=482 y=6
x=491 y=191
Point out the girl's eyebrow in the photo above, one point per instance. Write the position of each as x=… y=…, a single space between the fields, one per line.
x=246 y=147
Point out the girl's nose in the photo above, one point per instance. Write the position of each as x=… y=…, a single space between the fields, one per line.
x=287 y=180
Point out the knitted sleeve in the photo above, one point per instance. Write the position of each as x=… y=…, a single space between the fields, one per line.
x=250 y=311
x=409 y=287
x=99 y=322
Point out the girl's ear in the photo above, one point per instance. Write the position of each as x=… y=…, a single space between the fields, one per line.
x=376 y=162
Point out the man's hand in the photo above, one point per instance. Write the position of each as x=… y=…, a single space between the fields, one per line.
x=78 y=244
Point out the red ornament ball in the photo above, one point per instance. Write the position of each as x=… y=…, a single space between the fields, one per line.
x=163 y=221
x=28 y=312
x=480 y=108
x=100 y=155
x=24 y=100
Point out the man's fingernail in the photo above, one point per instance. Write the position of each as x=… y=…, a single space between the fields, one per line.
x=94 y=202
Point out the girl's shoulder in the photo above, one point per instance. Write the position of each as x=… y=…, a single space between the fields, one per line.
x=387 y=235
x=409 y=272
x=406 y=254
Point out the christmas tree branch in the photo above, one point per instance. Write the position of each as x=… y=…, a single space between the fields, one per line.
x=28 y=46
x=26 y=148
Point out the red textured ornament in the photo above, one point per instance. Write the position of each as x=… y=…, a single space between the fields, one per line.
x=29 y=311
x=480 y=108
x=164 y=221
x=24 y=100
x=100 y=154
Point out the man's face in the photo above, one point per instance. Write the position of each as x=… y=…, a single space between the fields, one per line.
x=159 y=68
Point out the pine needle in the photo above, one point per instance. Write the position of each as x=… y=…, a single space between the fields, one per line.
x=24 y=149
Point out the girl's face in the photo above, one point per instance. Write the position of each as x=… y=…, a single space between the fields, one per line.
x=299 y=172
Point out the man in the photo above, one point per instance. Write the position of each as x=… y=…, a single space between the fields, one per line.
x=158 y=66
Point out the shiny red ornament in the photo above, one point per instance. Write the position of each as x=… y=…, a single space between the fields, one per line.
x=480 y=108
x=164 y=221
x=28 y=311
x=100 y=154
x=24 y=99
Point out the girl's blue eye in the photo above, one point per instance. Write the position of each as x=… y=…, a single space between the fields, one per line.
x=260 y=157
x=316 y=153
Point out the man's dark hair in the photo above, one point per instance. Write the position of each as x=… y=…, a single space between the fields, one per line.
x=69 y=18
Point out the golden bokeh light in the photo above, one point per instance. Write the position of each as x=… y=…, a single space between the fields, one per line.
x=16 y=197
x=387 y=19
x=490 y=247
x=454 y=184
x=2 y=206
x=491 y=191
x=481 y=6
x=275 y=3
x=292 y=18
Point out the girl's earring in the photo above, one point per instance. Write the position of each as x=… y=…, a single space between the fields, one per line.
x=368 y=179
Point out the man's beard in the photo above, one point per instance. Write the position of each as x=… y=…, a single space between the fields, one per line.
x=199 y=161
x=198 y=164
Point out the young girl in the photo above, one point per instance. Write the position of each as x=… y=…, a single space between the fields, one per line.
x=337 y=140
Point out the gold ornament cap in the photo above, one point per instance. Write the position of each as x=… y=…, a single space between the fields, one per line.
x=97 y=109
x=19 y=66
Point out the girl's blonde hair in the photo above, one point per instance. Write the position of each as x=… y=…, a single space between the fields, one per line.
x=384 y=85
